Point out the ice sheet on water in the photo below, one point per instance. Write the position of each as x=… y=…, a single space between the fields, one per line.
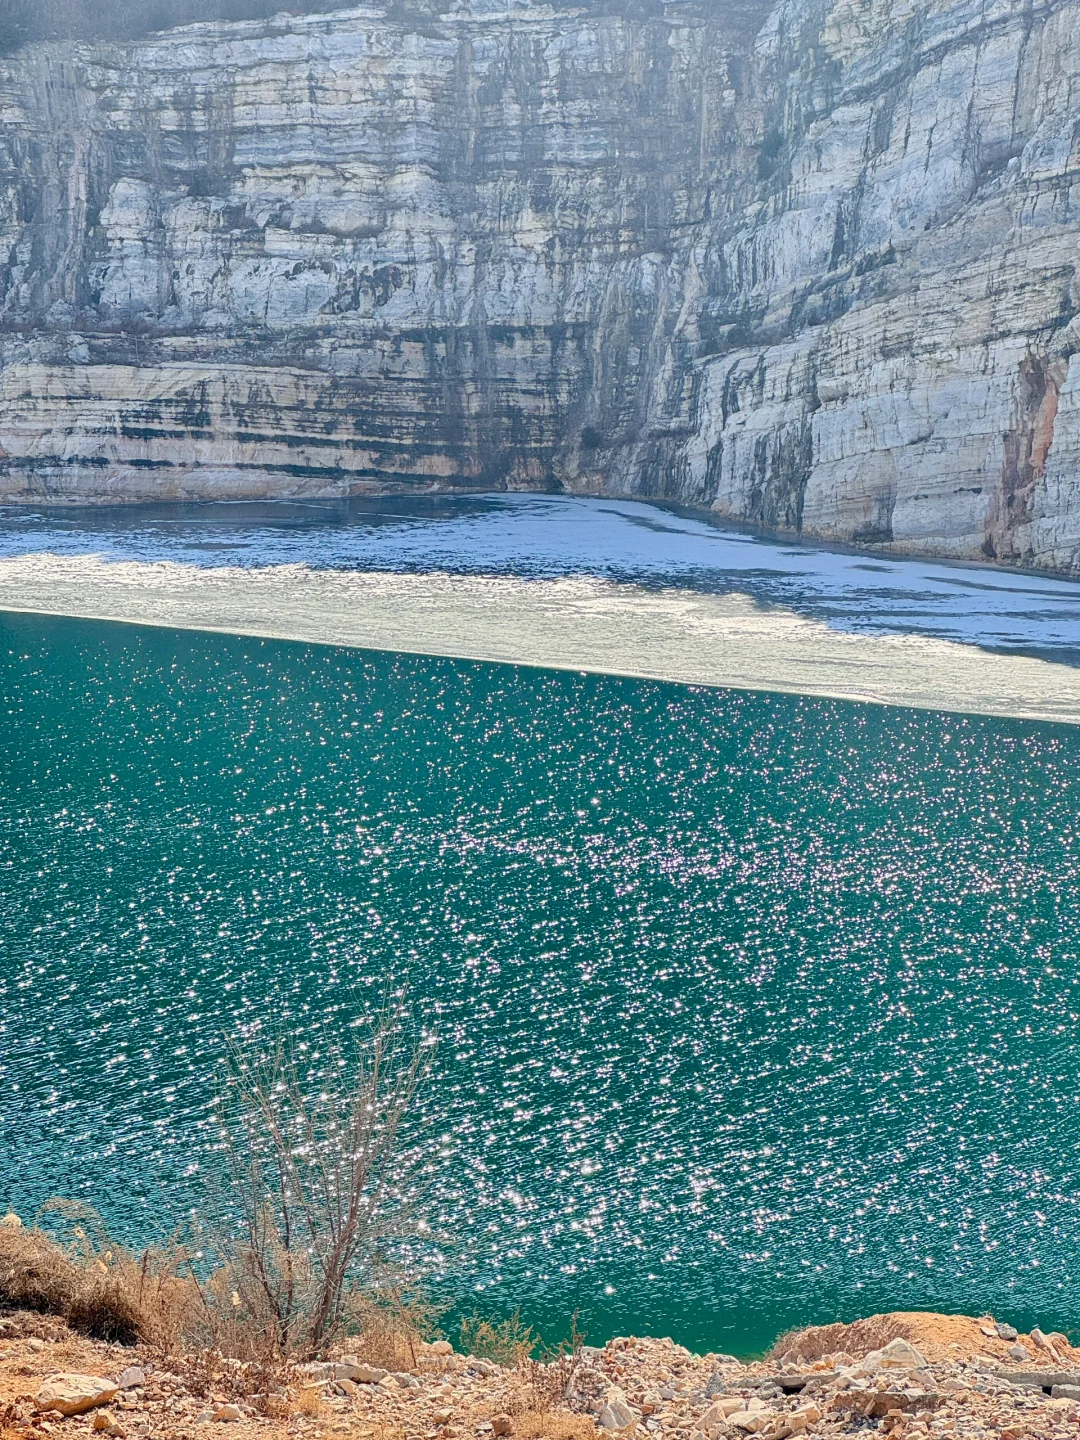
x=554 y=536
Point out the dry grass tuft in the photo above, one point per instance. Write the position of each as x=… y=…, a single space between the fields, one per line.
x=506 y=1342
x=103 y=1292
x=380 y=1430
x=310 y=1402
x=385 y=1347
x=545 y=1385
x=554 y=1425
x=816 y=1341
x=36 y=1274
x=386 y=1328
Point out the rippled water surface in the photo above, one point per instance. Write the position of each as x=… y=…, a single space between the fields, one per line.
x=754 y=1009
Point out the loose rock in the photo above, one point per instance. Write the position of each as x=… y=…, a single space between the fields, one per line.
x=106 y=1422
x=74 y=1394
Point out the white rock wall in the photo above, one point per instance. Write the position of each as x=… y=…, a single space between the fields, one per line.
x=915 y=272
x=816 y=272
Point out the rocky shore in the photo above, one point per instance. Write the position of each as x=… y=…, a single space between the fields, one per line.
x=916 y=1374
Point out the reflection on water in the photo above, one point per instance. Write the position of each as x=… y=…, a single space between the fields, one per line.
x=754 y=1008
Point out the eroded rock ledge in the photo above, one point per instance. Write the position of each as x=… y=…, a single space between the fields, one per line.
x=813 y=268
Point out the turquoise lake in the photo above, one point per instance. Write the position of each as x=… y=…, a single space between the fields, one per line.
x=753 y=1009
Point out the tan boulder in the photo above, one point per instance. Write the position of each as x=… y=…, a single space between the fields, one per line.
x=616 y=1413
x=800 y=1420
x=719 y=1411
x=106 y=1422
x=74 y=1394
x=1044 y=1342
x=350 y=1368
x=749 y=1421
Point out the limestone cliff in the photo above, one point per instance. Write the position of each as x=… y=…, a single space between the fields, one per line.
x=813 y=267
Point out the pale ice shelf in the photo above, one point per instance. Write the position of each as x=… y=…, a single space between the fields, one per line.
x=602 y=586
x=546 y=537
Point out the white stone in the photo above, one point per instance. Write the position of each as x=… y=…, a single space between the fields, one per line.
x=616 y=1413
x=896 y=1355
x=349 y=1368
x=750 y=1421
x=74 y=1394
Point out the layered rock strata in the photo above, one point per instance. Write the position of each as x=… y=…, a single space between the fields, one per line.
x=813 y=269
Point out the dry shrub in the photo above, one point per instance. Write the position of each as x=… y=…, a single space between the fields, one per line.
x=106 y=1311
x=542 y=1387
x=505 y=1342
x=157 y=1300
x=207 y=1372
x=309 y=1402
x=321 y=1183
x=857 y=1339
x=547 y=1384
x=554 y=1425
x=386 y=1327
x=37 y=1274
x=97 y=1287
x=386 y=1344
x=199 y=1371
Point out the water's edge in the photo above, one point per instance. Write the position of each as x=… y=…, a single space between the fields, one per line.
x=579 y=624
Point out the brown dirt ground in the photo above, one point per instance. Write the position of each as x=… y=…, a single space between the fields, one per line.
x=938 y=1337
x=44 y=1345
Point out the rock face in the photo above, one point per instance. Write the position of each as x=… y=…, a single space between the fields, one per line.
x=813 y=268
